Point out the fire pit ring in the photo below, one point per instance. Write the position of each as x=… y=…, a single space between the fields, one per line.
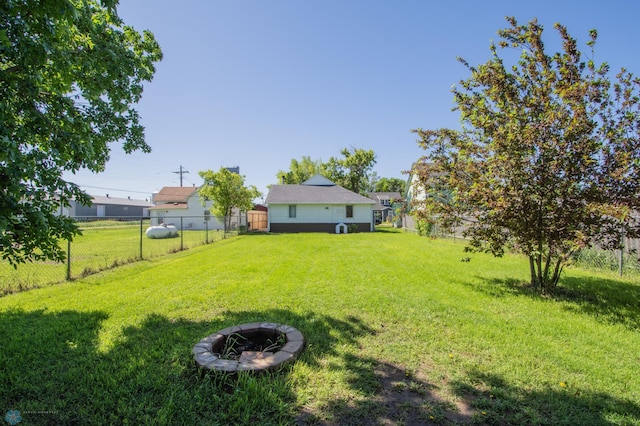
x=224 y=350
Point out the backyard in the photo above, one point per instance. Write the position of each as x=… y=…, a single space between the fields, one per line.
x=399 y=329
x=103 y=244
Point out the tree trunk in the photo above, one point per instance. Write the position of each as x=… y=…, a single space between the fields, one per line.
x=556 y=272
x=532 y=268
x=541 y=277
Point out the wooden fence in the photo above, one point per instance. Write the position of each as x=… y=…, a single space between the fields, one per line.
x=257 y=220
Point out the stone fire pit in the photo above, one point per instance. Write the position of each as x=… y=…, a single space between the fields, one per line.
x=254 y=346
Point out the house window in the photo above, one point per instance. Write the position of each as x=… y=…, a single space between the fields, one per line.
x=349 y=211
x=207 y=215
x=292 y=211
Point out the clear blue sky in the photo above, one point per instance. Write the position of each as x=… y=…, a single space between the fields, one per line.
x=256 y=83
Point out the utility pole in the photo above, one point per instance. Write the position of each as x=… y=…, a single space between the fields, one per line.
x=181 y=172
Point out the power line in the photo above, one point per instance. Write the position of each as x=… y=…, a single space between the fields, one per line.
x=113 y=189
x=181 y=172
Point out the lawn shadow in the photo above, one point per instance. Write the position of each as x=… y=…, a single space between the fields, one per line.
x=43 y=356
x=59 y=372
x=498 y=402
x=56 y=370
x=386 y=394
x=389 y=230
x=607 y=300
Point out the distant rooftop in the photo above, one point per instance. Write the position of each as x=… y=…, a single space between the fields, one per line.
x=174 y=194
x=118 y=201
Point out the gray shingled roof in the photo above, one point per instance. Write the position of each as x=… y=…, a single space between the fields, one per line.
x=311 y=194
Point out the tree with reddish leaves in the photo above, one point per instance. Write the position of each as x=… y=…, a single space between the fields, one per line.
x=547 y=160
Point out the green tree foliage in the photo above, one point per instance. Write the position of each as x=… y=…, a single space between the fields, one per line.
x=70 y=72
x=390 y=185
x=351 y=172
x=227 y=191
x=547 y=160
x=300 y=171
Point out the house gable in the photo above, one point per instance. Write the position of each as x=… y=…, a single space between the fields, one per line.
x=318 y=180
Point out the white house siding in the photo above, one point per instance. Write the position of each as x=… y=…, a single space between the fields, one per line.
x=313 y=217
x=415 y=193
x=193 y=216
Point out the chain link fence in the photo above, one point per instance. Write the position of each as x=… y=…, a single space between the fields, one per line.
x=625 y=261
x=106 y=243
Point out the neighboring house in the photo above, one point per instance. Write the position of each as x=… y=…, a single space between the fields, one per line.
x=182 y=206
x=386 y=202
x=414 y=193
x=112 y=207
x=317 y=205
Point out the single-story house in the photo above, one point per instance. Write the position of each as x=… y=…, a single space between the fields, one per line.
x=112 y=207
x=386 y=202
x=317 y=205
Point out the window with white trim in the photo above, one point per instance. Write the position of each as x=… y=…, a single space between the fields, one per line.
x=349 y=211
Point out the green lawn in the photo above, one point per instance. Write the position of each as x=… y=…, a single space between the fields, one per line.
x=102 y=245
x=399 y=331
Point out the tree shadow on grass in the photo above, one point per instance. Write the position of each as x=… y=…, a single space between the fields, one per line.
x=56 y=370
x=498 y=402
x=390 y=394
x=607 y=300
x=386 y=394
x=388 y=230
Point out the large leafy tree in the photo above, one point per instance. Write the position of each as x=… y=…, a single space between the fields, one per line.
x=547 y=159
x=300 y=171
x=227 y=191
x=390 y=185
x=352 y=171
x=70 y=73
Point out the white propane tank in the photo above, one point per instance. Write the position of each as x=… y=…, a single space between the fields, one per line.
x=162 y=231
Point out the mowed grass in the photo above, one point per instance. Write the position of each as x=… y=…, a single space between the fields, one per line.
x=102 y=245
x=399 y=330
